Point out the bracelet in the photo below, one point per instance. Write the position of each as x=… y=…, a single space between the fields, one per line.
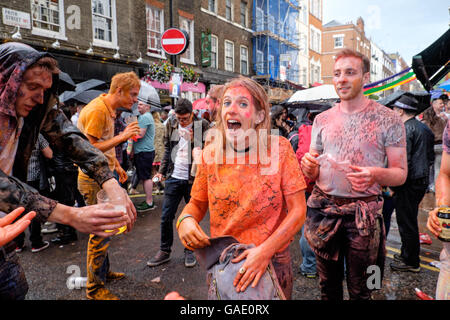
x=181 y=219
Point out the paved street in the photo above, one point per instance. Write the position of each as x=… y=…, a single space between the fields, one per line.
x=47 y=270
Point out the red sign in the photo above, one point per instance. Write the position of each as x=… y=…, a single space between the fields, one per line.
x=174 y=41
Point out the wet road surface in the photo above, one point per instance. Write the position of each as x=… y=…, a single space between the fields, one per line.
x=48 y=271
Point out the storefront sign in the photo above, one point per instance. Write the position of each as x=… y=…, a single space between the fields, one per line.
x=16 y=18
x=206 y=49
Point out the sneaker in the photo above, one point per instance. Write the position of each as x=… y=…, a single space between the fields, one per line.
x=42 y=246
x=189 y=259
x=160 y=258
x=101 y=294
x=402 y=266
x=398 y=257
x=64 y=239
x=49 y=229
x=309 y=275
x=19 y=249
x=144 y=206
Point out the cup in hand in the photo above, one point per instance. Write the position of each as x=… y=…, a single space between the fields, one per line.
x=130 y=119
x=116 y=202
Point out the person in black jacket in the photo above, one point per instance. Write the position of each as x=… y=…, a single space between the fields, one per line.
x=183 y=134
x=407 y=197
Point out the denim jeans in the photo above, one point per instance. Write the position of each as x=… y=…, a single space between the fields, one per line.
x=174 y=191
x=13 y=283
x=308 y=257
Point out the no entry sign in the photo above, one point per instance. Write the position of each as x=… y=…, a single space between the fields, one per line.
x=174 y=41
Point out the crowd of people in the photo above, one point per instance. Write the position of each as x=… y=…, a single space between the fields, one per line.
x=325 y=175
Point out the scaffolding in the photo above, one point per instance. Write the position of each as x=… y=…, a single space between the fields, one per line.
x=276 y=39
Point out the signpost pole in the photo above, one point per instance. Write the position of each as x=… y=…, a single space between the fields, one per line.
x=173 y=58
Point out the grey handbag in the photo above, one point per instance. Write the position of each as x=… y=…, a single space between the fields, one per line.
x=216 y=259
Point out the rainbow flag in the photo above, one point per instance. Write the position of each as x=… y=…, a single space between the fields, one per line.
x=408 y=77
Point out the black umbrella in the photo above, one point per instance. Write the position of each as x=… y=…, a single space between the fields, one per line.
x=65 y=82
x=66 y=96
x=91 y=84
x=87 y=96
x=423 y=97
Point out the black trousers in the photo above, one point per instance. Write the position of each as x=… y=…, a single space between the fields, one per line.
x=407 y=199
x=66 y=192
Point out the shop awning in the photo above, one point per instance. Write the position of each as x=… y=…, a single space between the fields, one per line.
x=185 y=86
x=433 y=63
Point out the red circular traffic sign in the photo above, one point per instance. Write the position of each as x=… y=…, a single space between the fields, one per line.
x=174 y=41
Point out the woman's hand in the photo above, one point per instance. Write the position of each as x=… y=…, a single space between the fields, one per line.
x=253 y=268
x=192 y=235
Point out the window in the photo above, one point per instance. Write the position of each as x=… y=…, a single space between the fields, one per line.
x=155 y=28
x=214 y=50
x=244 y=14
x=315 y=72
x=315 y=41
x=259 y=19
x=304 y=12
x=104 y=23
x=259 y=62
x=244 y=60
x=212 y=5
x=315 y=8
x=229 y=10
x=304 y=43
x=272 y=65
x=271 y=23
x=304 y=76
x=48 y=18
x=338 y=41
x=229 y=56
x=188 y=26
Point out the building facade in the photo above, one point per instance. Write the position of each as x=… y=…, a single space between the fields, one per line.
x=303 y=53
x=315 y=42
x=98 y=38
x=376 y=62
x=337 y=36
x=83 y=35
x=399 y=65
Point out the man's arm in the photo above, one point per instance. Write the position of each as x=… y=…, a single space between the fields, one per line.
x=130 y=131
x=394 y=175
x=166 y=158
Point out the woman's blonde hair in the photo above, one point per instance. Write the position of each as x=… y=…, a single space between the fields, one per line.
x=156 y=117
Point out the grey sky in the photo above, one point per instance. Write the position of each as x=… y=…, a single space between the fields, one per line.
x=404 y=26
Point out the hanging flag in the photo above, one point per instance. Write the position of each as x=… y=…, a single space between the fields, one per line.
x=410 y=76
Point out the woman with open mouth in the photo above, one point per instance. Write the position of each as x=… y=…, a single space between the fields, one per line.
x=245 y=200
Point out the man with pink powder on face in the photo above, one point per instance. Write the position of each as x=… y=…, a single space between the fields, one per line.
x=344 y=221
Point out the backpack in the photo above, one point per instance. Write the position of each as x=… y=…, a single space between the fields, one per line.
x=221 y=272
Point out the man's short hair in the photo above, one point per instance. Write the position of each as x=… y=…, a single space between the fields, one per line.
x=48 y=63
x=443 y=97
x=183 y=106
x=125 y=80
x=365 y=62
